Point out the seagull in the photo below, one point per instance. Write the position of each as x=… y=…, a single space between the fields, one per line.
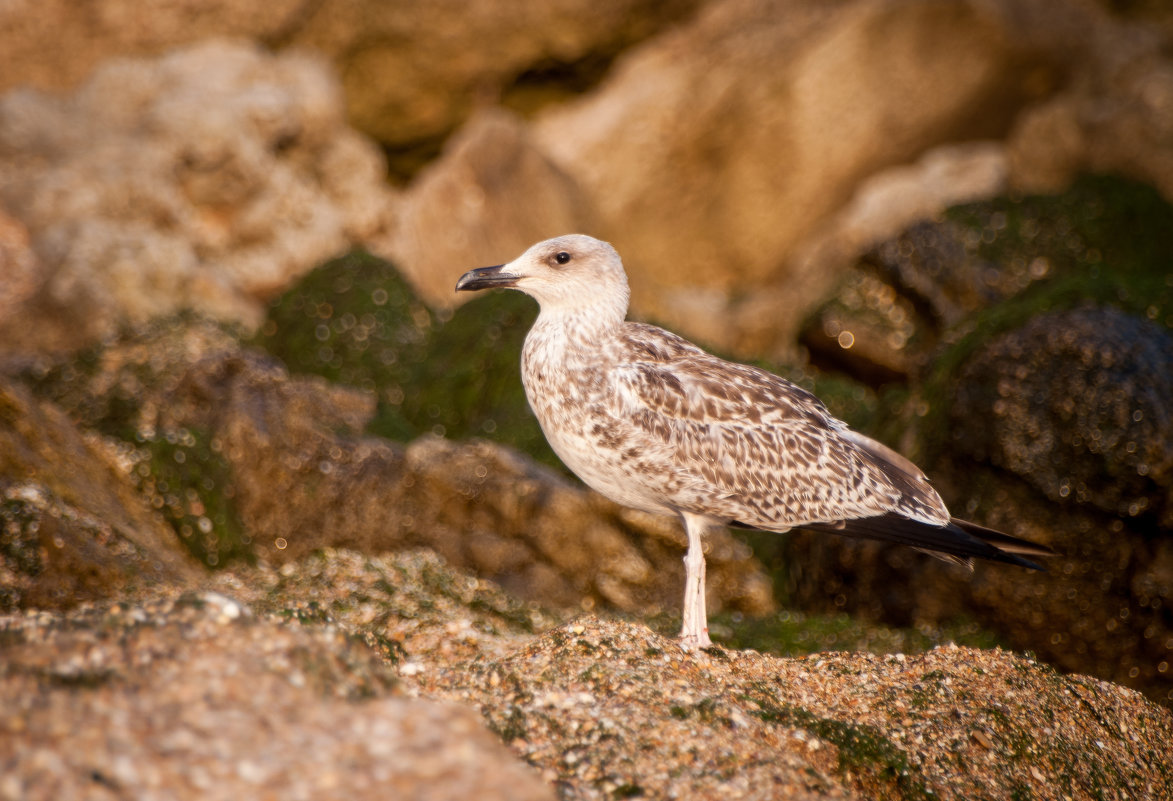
x=654 y=422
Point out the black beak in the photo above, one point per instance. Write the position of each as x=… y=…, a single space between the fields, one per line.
x=485 y=278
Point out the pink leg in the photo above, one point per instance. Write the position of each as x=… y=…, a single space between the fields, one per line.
x=695 y=631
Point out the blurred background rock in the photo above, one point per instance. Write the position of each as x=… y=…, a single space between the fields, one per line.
x=228 y=239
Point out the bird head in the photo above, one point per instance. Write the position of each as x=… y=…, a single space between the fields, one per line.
x=568 y=273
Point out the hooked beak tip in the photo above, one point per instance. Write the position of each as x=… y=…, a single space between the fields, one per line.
x=485 y=278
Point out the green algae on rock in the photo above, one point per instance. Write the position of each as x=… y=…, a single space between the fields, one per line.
x=355 y=320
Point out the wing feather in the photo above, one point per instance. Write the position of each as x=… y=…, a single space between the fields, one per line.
x=754 y=446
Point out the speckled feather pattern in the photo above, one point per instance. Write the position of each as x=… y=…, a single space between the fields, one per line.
x=654 y=422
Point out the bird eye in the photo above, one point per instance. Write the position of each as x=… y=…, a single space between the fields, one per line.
x=562 y=257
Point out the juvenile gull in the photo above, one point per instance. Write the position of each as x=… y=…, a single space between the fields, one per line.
x=654 y=422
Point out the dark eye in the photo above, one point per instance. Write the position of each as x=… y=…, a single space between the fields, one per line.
x=562 y=257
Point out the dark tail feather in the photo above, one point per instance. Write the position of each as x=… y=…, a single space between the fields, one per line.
x=957 y=541
x=1003 y=542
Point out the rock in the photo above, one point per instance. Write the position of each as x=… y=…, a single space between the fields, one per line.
x=48 y=45
x=884 y=226
x=393 y=666
x=1076 y=403
x=453 y=373
x=411 y=606
x=994 y=262
x=1024 y=384
x=893 y=307
x=411 y=73
x=196 y=698
x=490 y=195
x=298 y=474
x=1057 y=431
x=19 y=269
x=542 y=537
x=205 y=179
x=299 y=485
x=72 y=527
x=1114 y=111
x=608 y=709
x=713 y=152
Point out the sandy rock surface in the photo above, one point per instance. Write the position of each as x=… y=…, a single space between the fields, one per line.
x=608 y=709
x=194 y=697
x=343 y=675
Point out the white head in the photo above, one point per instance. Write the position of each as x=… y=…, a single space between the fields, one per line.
x=568 y=274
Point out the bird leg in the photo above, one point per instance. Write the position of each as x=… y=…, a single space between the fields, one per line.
x=695 y=631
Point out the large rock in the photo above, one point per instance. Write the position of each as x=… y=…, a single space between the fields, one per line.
x=489 y=196
x=413 y=73
x=1076 y=406
x=49 y=45
x=1114 y=111
x=19 y=269
x=611 y=710
x=992 y=264
x=1076 y=403
x=343 y=675
x=357 y=321
x=1033 y=333
x=713 y=152
x=305 y=478
x=738 y=201
x=194 y=698
x=204 y=179
x=72 y=526
x=1058 y=431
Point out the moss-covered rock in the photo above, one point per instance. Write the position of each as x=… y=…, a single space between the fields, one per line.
x=72 y=527
x=609 y=709
x=184 y=474
x=917 y=305
x=1041 y=408
x=356 y=321
x=119 y=389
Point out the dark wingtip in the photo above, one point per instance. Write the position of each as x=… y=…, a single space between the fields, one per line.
x=958 y=539
x=1011 y=559
x=1007 y=544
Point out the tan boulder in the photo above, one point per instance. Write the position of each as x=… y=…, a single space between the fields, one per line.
x=492 y=194
x=205 y=179
x=412 y=72
x=713 y=152
x=287 y=455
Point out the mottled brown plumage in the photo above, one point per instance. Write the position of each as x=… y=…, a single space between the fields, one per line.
x=654 y=422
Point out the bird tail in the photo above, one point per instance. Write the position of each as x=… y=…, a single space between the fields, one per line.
x=1003 y=542
x=958 y=541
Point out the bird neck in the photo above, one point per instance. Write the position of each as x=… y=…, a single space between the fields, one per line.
x=582 y=325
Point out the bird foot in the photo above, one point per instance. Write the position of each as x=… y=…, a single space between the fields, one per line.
x=695 y=641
